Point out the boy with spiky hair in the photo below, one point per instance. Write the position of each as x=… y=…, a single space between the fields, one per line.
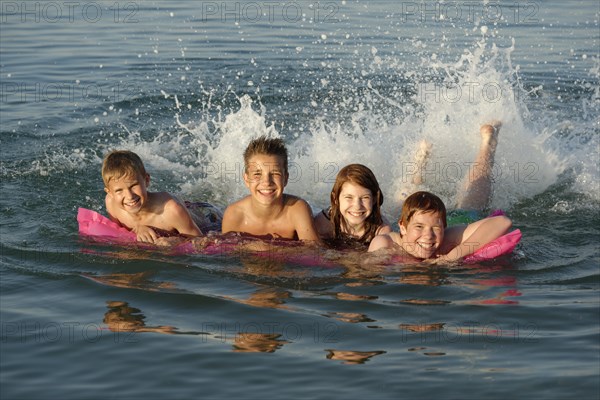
x=267 y=210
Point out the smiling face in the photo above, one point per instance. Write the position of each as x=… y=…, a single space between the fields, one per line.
x=266 y=177
x=423 y=235
x=356 y=205
x=129 y=192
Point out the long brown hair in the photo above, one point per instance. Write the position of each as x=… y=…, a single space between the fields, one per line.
x=363 y=176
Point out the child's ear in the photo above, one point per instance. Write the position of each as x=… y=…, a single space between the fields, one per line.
x=246 y=180
x=402 y=229
x=107 y=191
x=147 y=179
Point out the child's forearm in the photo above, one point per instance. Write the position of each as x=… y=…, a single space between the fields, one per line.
x=487 y=230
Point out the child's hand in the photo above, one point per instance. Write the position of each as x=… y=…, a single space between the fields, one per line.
x=145 y=234
x=442 y=259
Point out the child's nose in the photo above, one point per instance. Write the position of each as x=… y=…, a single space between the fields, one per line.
x=429 y=233
x=266 y=178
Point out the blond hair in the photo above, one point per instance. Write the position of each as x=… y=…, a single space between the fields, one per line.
x=266 y=146
x=120 y=163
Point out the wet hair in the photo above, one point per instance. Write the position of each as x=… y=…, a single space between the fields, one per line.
x=120 y=163
x=360 y=175
x=424 y=202
x=266 y=146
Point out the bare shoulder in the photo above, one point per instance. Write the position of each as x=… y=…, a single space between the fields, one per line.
x=234 y=214
x=163 y=203
x=238 y=206
x=385 y=241
x=117 y=215
x=296 y=204
x=298 y=216
x=172 y=206
x=384 y=229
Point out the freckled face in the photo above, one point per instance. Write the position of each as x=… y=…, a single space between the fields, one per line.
x=130 y=192
x=423 y=235
x=265 y=177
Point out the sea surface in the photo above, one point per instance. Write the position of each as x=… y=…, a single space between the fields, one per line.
x=186 y=85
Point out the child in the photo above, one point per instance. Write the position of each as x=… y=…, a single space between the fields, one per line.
x=130 y=204
x=355 y=210
x=424 y=233
x=423 y=228
x=267 y=210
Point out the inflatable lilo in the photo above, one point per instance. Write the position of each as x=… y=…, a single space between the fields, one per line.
x=101 y=229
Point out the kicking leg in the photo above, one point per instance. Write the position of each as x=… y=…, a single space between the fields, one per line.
x=420 y=161
x=478 y=187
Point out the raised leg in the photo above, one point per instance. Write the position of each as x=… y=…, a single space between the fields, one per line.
x=415 y=170
x=478 y=186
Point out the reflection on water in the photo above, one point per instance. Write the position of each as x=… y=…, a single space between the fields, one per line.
x=248 y=342
x=351 y=356
x=426 y=302
x=267 y=297
x=120 y=317
x=352 y=318
x=422 y=327
x=354 y=297
x=424 y=275
x=134 y=281
x=501 y=298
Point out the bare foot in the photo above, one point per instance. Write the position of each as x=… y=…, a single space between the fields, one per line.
x=423 y=152
x=489 y=132
x=422 y=155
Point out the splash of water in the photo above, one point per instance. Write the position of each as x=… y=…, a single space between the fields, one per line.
x=442 y=102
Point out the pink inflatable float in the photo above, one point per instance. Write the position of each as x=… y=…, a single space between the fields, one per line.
x=102 y=229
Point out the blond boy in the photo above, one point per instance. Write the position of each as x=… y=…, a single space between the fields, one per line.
x=267 y=210
x=149 y=214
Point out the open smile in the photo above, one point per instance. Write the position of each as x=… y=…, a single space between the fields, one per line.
x=133 y=203
x=427 y=246
x=266 y=192
x=356 y=214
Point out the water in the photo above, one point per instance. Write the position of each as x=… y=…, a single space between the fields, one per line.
x=185 y=85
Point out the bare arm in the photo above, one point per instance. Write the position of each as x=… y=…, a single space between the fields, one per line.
x=304 y=223
x=230 y=219
x=474 y=236
x=383 y=241
x=181 y=219
x=323 y=225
